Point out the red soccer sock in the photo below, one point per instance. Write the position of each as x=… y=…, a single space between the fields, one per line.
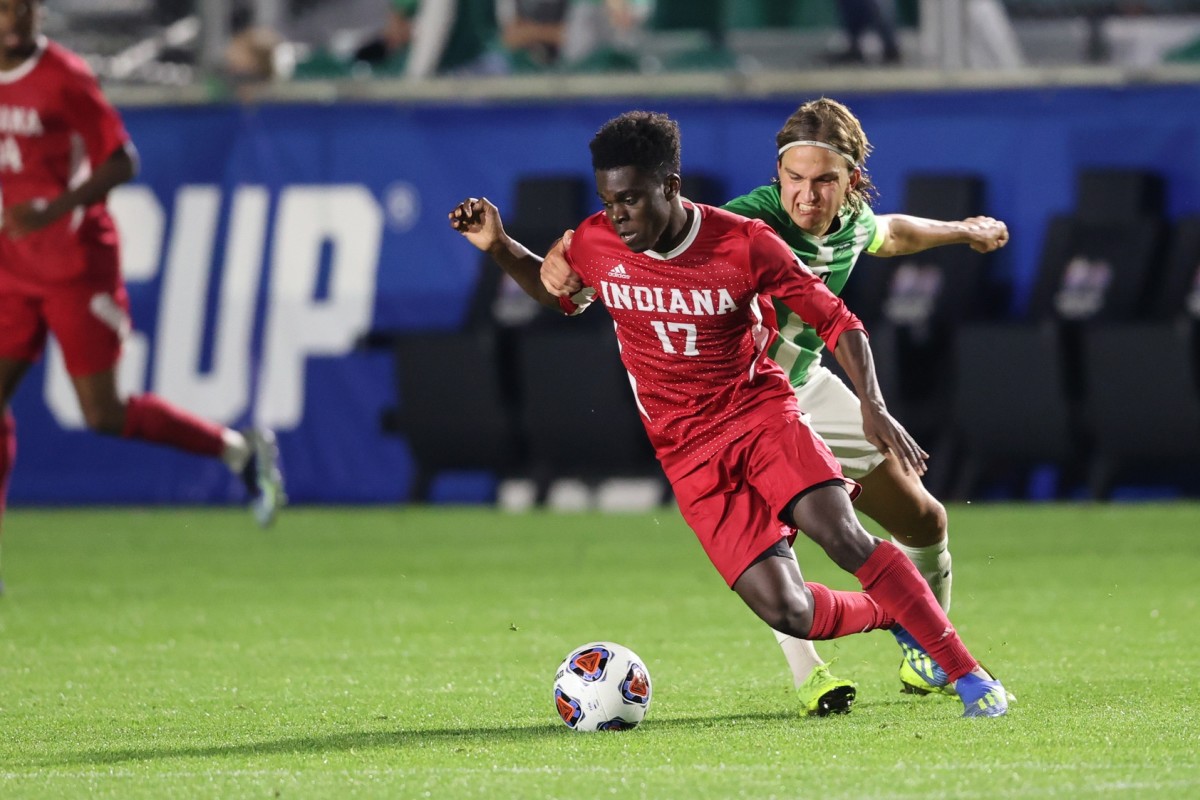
x=837 y=614
x=8 y=454
x=890 y=578
x=152 y=419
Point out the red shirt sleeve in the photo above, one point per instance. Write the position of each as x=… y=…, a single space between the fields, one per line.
x=779 y=273
x=91 y=116
x=578 y=302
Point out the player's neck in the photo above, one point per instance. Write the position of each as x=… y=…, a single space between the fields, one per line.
x=11 y=59
x=677 y=228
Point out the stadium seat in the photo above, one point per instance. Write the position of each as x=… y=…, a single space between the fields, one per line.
x=1143 y=380
x=577 y=408
x=458 y=402
x=544 y=205
x=912 y=306
x=1020 y=387
x=455 y=408
x=939 y=287
x=1011 y=405
x=547 y=204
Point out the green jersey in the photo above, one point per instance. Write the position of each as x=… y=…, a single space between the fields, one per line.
x=831 y=257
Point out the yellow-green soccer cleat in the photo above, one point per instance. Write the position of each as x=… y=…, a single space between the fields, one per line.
x=920 y=674
x=911 y=682
x=823 y=694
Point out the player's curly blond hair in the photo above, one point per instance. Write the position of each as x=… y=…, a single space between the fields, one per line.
x=828 y=121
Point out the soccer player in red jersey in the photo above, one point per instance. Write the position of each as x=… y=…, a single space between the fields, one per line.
x=681 y=281
x=819 y=205
x=63 y=147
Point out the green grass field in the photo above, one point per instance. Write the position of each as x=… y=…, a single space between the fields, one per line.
x=410 y=653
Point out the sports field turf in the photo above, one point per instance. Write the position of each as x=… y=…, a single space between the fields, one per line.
x=397 y=653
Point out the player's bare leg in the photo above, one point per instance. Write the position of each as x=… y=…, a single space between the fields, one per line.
x=11 y=372
x=252 y=455
x=820 y=692
x=901 y=504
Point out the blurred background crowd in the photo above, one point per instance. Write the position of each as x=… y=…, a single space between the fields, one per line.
x=182 y=42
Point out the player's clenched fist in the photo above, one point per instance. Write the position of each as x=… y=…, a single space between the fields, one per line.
x=478 y=220
x=987 y=234
x=557 y=276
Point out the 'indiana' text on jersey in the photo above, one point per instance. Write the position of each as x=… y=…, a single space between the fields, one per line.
x=693 y=302
x=20 y=120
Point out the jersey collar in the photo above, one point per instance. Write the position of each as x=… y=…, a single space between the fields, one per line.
x=692 y=233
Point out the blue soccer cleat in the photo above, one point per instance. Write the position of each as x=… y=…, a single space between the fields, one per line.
x=982 y=697
x=919 y=674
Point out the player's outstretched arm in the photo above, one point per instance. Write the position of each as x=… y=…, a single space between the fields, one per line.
x=34 y=215
x=904 y=234
x=478 y=220
x=881 y=428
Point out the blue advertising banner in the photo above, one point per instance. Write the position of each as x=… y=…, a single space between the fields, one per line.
x=261 y=244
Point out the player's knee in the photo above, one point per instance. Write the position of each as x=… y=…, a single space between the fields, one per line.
x=927 y=525
x=846 y=543
x=934 y=520
x=792 y=614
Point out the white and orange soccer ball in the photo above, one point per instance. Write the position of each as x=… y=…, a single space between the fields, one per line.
x=602 y=686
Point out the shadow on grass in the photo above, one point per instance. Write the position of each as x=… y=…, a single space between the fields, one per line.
x=397 y=738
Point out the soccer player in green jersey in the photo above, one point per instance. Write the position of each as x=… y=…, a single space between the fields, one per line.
x=819 y=205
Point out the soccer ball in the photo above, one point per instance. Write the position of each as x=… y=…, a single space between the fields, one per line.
x=602 y=686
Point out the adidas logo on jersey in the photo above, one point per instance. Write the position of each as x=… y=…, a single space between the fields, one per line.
x=618 y=272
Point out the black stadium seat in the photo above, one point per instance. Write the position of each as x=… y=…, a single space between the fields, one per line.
x=1143 y=380
x=578 y=412
x=912 y=306
x=454 y=410
x=1020 y=396
x=459 y=403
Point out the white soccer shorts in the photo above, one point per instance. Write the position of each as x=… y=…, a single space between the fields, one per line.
x=833 y=411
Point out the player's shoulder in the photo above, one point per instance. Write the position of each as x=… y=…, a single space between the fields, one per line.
x=859 y=224
x=757 y=202
x=596 y=220
x=592 y=229
x=864 y=215
x=65 y=61
x=730 y=223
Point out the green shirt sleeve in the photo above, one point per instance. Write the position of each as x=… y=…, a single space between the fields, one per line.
x=877 y=237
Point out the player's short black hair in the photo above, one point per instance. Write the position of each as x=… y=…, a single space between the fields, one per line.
x=646 y=140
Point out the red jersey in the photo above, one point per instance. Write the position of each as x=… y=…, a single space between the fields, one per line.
x=690 y=326
x=55 y=125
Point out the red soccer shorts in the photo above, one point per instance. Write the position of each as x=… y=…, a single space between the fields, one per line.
x=89 y=317
x=733 y=501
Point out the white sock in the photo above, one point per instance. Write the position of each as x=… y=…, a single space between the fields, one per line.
x=237 y=450
x=933 y=562
x=800 y=654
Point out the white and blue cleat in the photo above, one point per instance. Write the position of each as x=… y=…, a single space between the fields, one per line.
x=263 y=477
x=920 y=674
x=982 y=697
